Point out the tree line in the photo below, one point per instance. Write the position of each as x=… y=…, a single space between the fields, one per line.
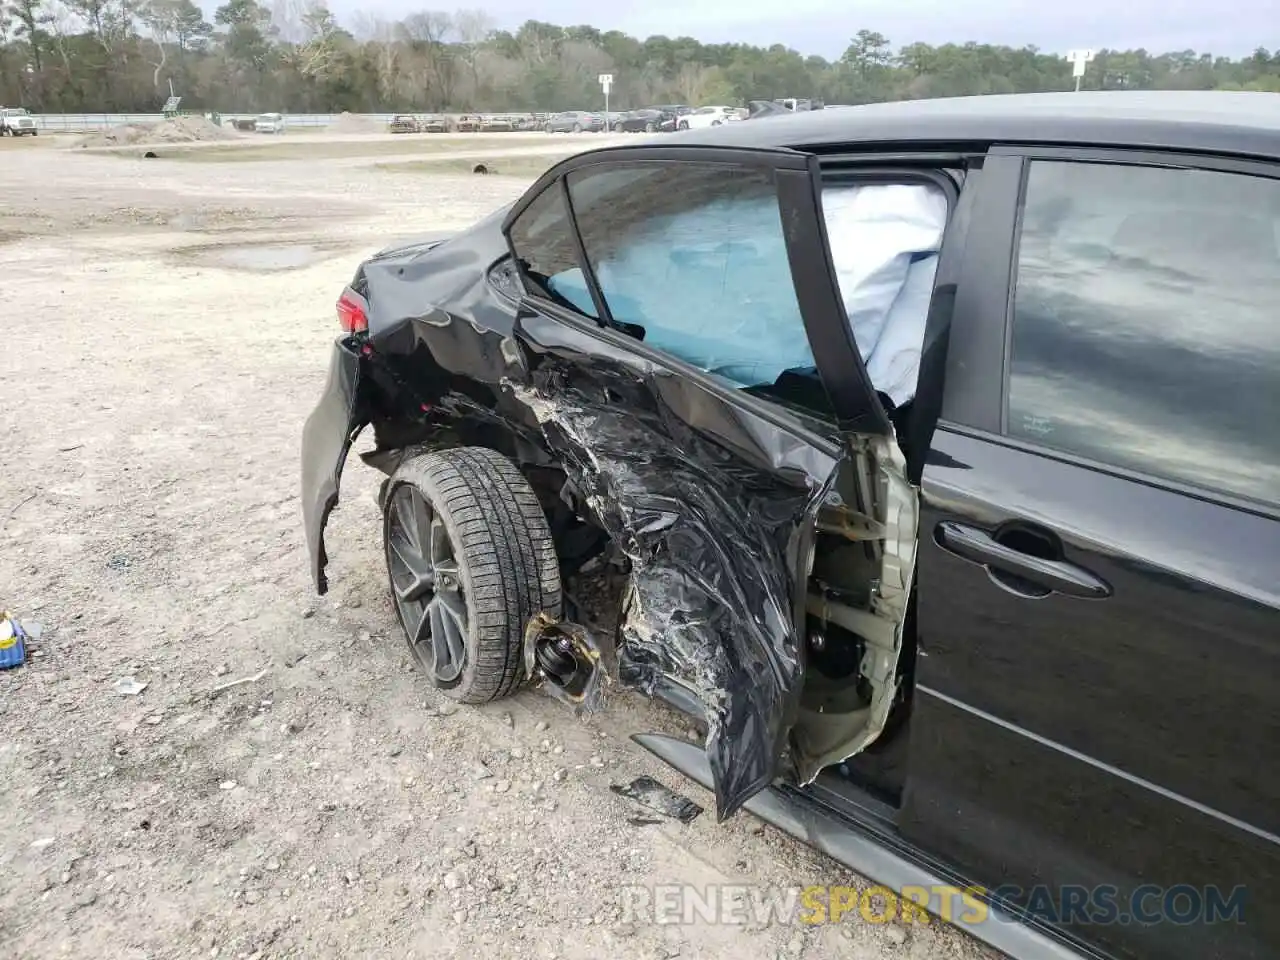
x=107 y=56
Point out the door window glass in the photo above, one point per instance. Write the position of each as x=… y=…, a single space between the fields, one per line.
x=1145 y=329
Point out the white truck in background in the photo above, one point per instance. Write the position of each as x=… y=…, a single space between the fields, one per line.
x=16 y=122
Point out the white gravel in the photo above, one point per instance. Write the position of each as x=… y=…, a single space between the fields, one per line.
x=149 y=518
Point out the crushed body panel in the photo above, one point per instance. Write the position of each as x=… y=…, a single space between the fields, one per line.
x=713 y=496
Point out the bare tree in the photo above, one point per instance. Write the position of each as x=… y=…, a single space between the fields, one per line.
x=426 y=34
x=382 y=48
x=473 y=29
x=287 y=19
x=165 y=19
x=317 y=56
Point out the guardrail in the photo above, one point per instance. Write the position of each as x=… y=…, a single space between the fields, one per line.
x=86 y=122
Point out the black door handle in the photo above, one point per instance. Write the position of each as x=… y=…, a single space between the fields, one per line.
x=1057 y=576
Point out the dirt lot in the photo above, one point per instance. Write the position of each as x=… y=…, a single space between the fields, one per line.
x=169 y=325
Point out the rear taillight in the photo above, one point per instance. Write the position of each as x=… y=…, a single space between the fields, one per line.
x=351 y=315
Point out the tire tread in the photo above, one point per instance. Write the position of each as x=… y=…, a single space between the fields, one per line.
x=505 y=549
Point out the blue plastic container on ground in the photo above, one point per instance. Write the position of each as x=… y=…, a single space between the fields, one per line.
x=13 y=643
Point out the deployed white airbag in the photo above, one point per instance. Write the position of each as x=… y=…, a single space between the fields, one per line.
x=884 y=243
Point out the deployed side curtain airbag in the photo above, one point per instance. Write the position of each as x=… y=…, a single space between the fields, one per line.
x=712 y=285
x=884 y=244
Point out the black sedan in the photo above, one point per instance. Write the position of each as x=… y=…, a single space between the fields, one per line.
x=931 y=451
x=647 y=120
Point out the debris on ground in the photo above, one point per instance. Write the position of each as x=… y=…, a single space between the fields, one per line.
x=649 y=793
x=171 y=130
x=230 y=684
x=13 y=642
x=129 y=687
x=347 y=123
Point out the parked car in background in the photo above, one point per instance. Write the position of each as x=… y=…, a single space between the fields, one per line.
x=647 y=120
x=673 y=113
x=957 y=531
x=435 y=123
x=469 y=123
x=757 y=109
x=705 y=117
x=575 y=121
x=16 y=122
x=269 y=123
x=403 y=123
x=499 y=123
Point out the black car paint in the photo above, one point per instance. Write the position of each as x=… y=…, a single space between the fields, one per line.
x=1058 y=740
x=1156 y=705
x=1147 y=721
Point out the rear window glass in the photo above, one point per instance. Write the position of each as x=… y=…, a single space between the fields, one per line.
x=544 y=246
x=694 y=253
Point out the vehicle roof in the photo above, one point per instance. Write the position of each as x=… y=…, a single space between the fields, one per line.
x=1217 y=121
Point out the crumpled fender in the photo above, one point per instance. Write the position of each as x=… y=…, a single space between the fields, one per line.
x=712 y=500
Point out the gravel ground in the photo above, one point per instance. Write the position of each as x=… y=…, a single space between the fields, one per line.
x=169 y=326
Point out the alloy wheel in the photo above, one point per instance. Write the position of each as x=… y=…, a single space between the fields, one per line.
x=426 y=586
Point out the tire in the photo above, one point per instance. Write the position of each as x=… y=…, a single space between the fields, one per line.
x=548 y=128
x=504 y=567
x=577 y=128
x=649 y=128
x=684 y=125
x=617 y=127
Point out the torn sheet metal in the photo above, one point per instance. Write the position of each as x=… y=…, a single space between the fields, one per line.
x=709 y=501
x=712 y=501
x=326 y=439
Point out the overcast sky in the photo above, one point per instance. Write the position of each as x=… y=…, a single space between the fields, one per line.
x=1233 y=28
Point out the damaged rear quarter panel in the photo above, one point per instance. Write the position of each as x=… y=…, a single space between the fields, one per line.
x=712 y=502
x=711 y=497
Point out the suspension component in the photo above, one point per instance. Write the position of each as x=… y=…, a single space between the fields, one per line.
x=575 y=666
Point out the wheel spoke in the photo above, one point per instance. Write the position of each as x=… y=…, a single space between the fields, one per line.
x=403 y=549
x=418 y=588
x=420 y=636
x=406 y=520
x=438 y=540
x=448 y=634
x=423 y=521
